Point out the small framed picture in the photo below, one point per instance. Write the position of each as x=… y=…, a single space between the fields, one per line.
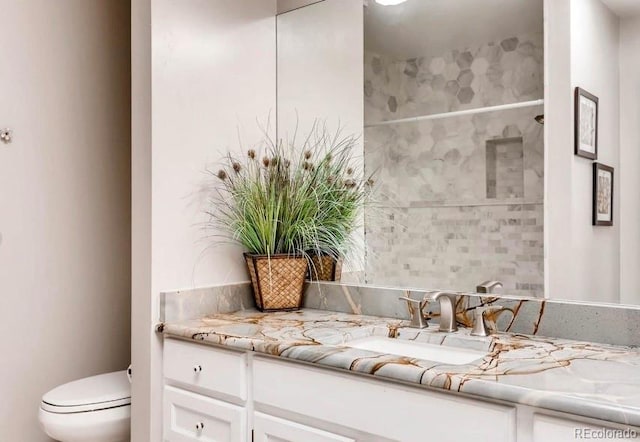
x=602 y=195
x=586 y=124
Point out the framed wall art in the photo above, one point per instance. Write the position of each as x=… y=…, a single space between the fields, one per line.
x=602 y=195
x=586 y=124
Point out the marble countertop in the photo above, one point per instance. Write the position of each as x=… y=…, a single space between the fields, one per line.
x=582 y=378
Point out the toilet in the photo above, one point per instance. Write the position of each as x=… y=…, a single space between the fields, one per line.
x=94 y=409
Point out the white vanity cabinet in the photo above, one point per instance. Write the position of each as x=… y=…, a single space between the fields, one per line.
x=206 y=369
x=214 y=394
x=205 y=393
x=193 y=417
x=376 y=408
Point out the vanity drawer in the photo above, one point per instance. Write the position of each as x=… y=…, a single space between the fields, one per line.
x=192 y=417
x=207 y=369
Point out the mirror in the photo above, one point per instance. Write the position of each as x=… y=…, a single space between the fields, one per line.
x=474 y=183
x=449 y=124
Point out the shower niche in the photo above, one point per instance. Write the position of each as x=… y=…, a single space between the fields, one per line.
x=505 y=168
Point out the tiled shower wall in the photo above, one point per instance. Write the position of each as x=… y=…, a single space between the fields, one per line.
x=461 y=197
x=490 y=74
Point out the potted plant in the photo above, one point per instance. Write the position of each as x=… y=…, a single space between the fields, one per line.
x=344 y=195
x=288 y=205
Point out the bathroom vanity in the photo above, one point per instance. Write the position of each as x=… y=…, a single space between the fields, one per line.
x=312 y=375
x=466 y=114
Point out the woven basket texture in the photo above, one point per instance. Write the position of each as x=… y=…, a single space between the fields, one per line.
x=325 y=268
x=278 y=281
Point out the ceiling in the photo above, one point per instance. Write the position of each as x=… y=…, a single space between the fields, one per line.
x=624 y=8
x=430 y=27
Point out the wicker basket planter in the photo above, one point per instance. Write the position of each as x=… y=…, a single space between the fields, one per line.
x=325 y=268
x=277 y=280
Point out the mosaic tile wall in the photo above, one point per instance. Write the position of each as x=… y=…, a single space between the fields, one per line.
x=505 y=168
x=461 y=197
x=458 y=247
x=490 y=74
x=444 y=161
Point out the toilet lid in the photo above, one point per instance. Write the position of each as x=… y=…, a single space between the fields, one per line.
x=89 y=394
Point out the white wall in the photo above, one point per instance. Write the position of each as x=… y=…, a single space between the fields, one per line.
x=583 y=261
x=64 y=200
x=558 y=155
x=212 y=73
x=628 y=176
x=320 y=77
x=595 y=67
x=320 y=73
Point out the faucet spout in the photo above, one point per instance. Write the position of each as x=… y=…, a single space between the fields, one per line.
x=447 y=302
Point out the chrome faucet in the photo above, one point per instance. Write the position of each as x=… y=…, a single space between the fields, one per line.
x=416 y=309
x=447 y=302
x=488 y=286
x=480 y=327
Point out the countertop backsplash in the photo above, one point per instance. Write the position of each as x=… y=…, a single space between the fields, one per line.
x=602 y=323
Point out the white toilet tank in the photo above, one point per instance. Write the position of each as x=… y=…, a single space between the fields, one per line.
x=94 y=409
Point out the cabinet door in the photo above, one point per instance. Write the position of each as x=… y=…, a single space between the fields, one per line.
x=272 y=429
x=192 y=417
x=555 y=429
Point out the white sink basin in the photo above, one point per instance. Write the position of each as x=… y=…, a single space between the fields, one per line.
x=417 y=350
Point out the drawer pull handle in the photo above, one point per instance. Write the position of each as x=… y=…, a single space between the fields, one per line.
x=199 y=426
x=197 y=368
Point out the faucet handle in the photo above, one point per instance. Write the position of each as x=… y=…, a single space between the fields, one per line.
x=416 y=307
x=415 y=301
x=479 y=325
x=488 y=286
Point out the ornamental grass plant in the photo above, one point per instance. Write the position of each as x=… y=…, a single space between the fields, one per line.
x=287 y=204
x=298 y=200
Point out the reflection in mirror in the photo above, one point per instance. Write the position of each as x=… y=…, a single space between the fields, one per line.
x=451 y=91
x=455 y=119
x=592 y=45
